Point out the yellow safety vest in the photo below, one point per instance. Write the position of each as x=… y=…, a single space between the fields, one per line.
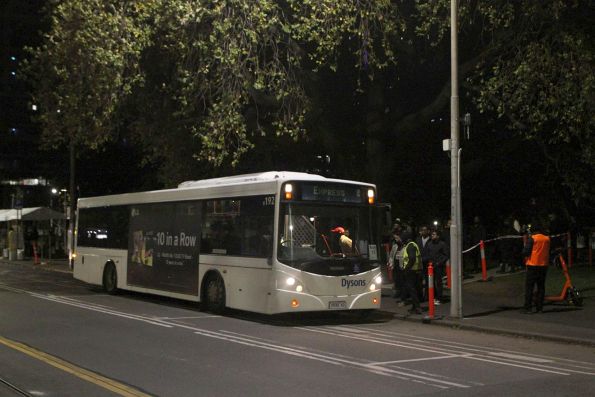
x=417 y=264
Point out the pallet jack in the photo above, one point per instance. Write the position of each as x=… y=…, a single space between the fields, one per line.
x=569 y=293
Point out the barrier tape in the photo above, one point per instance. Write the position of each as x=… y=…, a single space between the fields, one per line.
x=503 y=238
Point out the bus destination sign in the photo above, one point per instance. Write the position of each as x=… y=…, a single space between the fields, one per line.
x=331 y=193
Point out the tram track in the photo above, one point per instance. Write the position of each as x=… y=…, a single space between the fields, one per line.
x=17 y=390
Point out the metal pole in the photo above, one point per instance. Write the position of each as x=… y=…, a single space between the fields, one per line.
x=456 y=304
x=72 y=202
x=51 y=228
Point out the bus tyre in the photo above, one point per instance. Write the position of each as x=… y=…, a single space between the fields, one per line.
x=215 y=295
x=110 y=278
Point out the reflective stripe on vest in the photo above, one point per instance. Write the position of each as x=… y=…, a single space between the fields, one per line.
x=540 y=254
x=417 y=263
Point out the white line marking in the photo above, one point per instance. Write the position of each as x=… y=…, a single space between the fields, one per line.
x=379 y=341
x=79 y=301
x=504 y=361
x=185 y=318
x=420 y=359
x=521 y=357
x=259 y=344
x=457 y=347
x=477 y=348
x=327 y=359
x=88 y=307
x=516 y=365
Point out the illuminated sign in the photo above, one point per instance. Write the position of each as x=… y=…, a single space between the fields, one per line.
x=331 y=193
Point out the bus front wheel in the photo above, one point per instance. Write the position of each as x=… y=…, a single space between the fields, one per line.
x=215 y=295
x=110 y=279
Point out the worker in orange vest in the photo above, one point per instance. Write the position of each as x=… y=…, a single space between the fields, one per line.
x=537 y=252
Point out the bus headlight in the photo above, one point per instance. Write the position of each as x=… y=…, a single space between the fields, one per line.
x=290 y=281
x=372 y=287
x=378 y=280
x=299 y=288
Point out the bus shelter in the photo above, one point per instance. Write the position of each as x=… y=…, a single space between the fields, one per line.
x=19 y=228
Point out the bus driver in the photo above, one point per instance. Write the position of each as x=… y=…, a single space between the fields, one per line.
x=345 y=242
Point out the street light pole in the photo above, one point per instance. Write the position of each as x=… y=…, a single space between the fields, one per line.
x=71 y=203
x=53 y=192
x=456 y=304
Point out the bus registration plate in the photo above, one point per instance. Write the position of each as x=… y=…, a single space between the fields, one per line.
x=336 y=305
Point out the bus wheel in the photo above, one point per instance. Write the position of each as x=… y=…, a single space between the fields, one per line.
x=215 y=295
x=110 y=278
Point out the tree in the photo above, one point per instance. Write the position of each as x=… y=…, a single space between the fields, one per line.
x=225 y=81
x=235 y=67
x=87 y=64
x=529 y=64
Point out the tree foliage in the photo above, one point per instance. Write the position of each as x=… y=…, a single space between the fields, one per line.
x=235 y=66
x=531 y=65
x=87 y=64
x=210 y=79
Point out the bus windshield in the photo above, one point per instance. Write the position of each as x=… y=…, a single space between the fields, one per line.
x=327 y=239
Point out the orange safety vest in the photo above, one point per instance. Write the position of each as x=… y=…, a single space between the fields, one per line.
x=540 y=254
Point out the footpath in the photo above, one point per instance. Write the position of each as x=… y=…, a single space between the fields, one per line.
x=491 y=306
x=494 y=306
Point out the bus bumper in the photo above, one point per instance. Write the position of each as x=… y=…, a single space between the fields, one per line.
x=284 y=301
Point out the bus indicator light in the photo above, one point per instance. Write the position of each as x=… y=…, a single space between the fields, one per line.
x=370 y=196
x=295 y=303
x=375 y=301
x=288 y=191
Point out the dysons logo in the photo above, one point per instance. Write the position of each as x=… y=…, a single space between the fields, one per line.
x=346 y=283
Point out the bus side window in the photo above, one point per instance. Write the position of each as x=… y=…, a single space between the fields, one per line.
x=103 y=227
x=242 y=226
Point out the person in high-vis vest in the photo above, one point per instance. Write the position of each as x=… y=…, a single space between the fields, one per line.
x=537 y=252
x=411 y=264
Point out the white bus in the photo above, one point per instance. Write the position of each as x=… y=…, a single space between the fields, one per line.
x=271 y=243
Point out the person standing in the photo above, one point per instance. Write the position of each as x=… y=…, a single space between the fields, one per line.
x=510 y=248
x=537 y=252
x=34 y=237
x=445 y=235
x=438 y=254
x=422 y=242
x=424 y=237
x=411 y=264
x=393 y=265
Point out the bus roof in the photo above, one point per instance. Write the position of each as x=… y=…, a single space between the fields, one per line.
x=184 y=191
x=251 y=178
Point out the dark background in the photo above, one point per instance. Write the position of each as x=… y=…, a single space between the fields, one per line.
x=352 y=135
